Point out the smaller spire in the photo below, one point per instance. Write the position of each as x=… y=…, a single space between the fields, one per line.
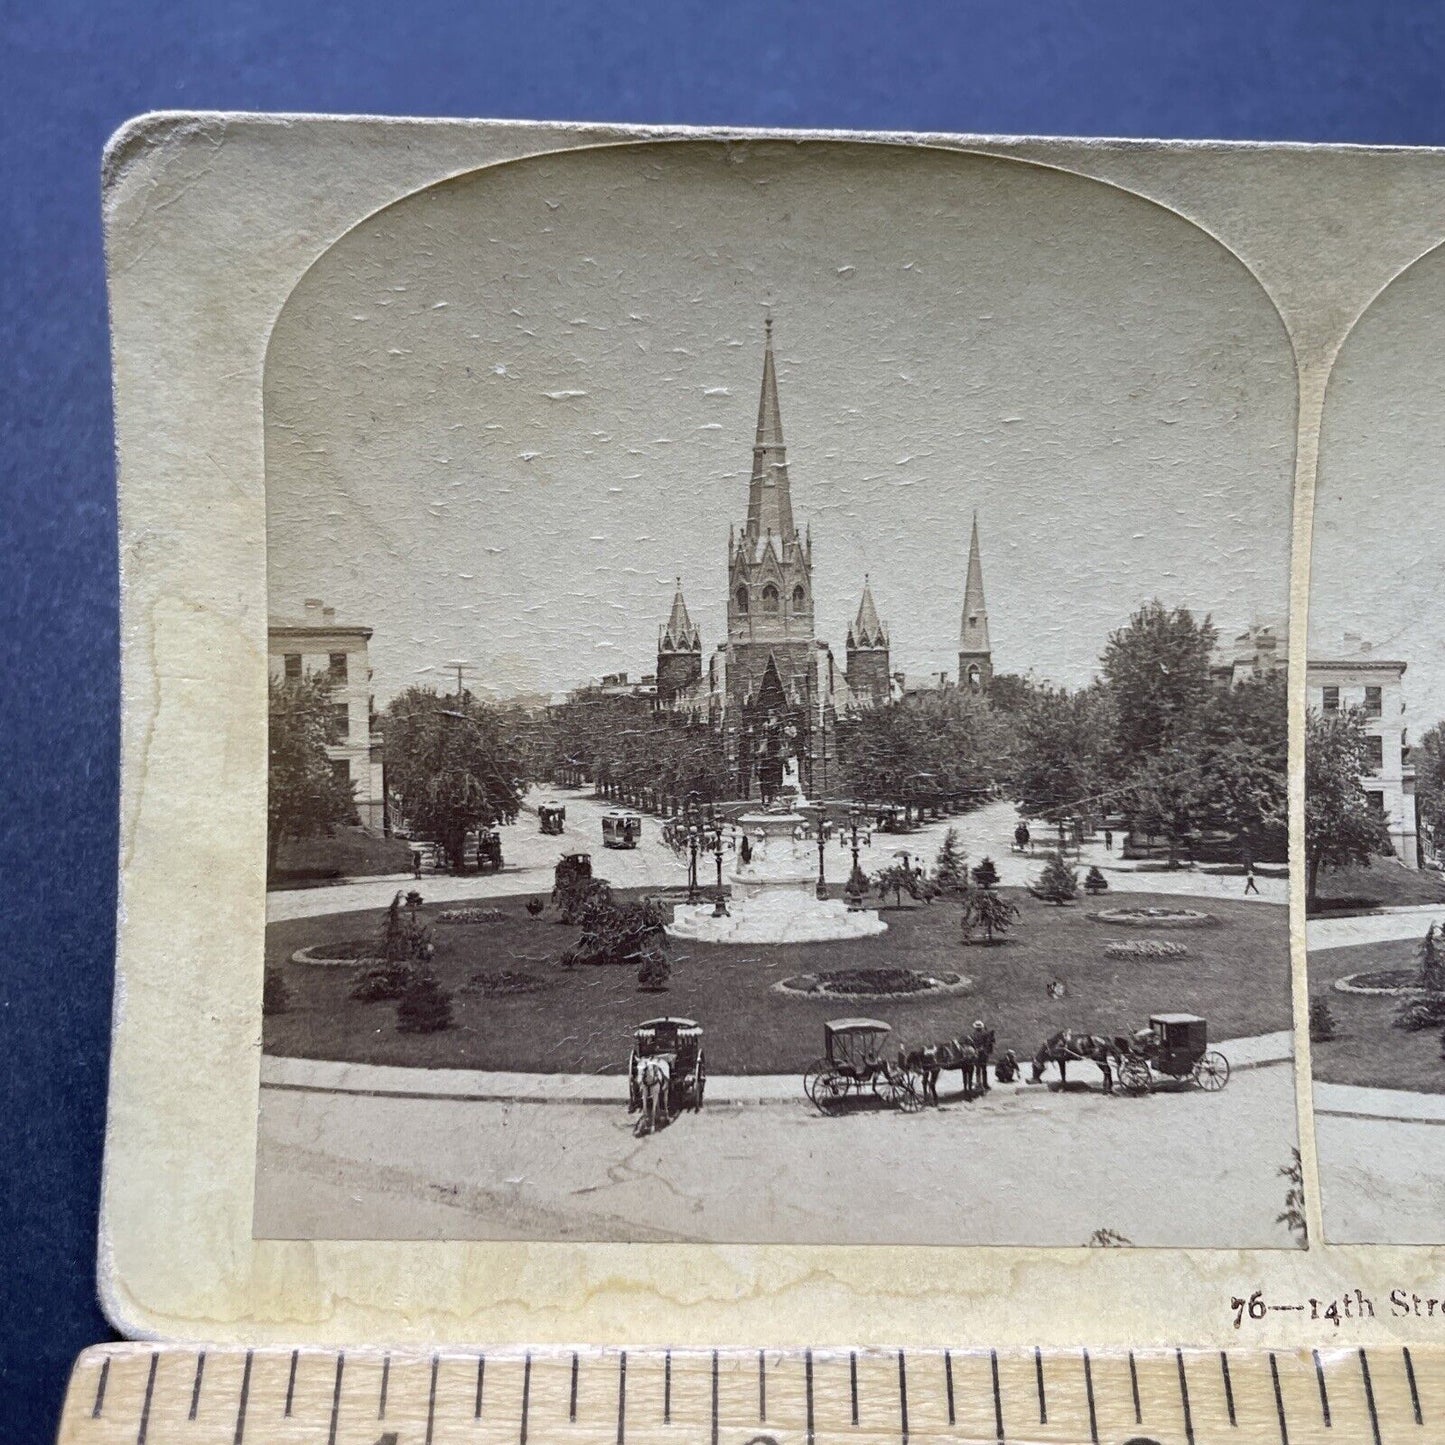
x=681 y=633
x=867 y=630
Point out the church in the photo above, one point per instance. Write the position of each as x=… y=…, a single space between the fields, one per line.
x=774 y=688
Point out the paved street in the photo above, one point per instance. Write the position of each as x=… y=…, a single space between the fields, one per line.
x=531 y=855
x=1028 y=1166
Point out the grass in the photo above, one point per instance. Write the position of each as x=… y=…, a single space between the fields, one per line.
x=1369 y=1049
x=1386 y=883
x=351 y=853
x=1237 y=976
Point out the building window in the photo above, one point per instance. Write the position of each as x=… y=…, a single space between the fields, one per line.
x=742 y=599
x=1376 y=753
x=800 y=598
x=770 y=598
x=341 y=769
x=1374 y=701
x=1330 y=699
x=1376 y=800
x=293 y=667
x=340 y=725
x=337 y=667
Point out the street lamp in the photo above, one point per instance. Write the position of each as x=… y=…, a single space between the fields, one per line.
x=822 y=890
x=853 y=893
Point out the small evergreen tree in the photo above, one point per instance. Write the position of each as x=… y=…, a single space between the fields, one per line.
x=1058 y=883
x=403 y=938
x=897 y=880
x=275 y=995
x=1095 y=883
x=985 y=909
x=1432 y=963
x=424 y=1008
x=1322 y=1020
x=950 y=868
x=986 y=874
x=654 y=970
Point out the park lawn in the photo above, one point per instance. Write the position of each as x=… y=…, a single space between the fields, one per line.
x=1370 y=1050
x=350 y=853
x=1386 y=883
x=1236 y=975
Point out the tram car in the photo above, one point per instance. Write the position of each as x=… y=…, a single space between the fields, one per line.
x=621 y=828
x=552 y=817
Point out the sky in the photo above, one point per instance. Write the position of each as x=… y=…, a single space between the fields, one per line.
x=1377 y=561
x=504 y=414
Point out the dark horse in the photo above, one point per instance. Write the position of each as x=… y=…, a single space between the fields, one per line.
x=1066 y=1047
x=970 y=1058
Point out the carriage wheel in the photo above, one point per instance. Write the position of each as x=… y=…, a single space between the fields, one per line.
x=830 y=1091
x=816 y=1070
x=1211 y=1073
x=891 y=1087
x=699 y=1083
x=912 y=1101
x=1134 y=1077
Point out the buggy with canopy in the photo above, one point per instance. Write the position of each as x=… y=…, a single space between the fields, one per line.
x=666 y=1070
x=1176 y=1047
x=854 y=1063
x=552 y=817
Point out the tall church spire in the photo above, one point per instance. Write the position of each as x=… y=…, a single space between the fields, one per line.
x=770 y=502
x=681 y=632
x=679 y=652
x=975 y=657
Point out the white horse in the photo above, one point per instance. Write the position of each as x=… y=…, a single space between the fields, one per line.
x=651 y=1085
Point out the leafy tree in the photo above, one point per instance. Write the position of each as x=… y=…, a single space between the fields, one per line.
x=1168 y=794
x=897 y=879
x=1156 y=674
x=424 y=1008
x=1095 y=883
x=1058 y=883
x=1063 y=753
x=985 y=874
x=1340 y=827
x=950 y=868
x=1428 y=758
x=453 y=766
x=304 y=794
x=1244 y=760
x=617 y=933
x=989 y=911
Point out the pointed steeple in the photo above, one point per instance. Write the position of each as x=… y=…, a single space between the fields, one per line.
x=867 y=630
x=975 y=656
x=680 y=634
x=770 y=502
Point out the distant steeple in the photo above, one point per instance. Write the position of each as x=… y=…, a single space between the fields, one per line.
x=975 y=656
x=770 y=502
x=680 y=634
x=679 y=652
x=867 y=630
x=868 y=669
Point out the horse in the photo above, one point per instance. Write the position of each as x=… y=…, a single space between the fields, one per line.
x=651 y=1085
x=1066 y=1045
x=931 y=1060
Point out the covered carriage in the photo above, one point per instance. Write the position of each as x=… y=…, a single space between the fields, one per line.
x=1174 y=1047
x=677 y=1043
x=621 y=828
x=858 y=1059
x=552 y=817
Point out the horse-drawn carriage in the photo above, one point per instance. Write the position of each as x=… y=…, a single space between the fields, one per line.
x=854 y=1063
x=1176 y=1047
x=666 y=1071
x=551 y=817
x=489 y=851
x=621 y=828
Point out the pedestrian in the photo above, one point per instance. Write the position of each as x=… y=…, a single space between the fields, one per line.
x=1247 y=858
x=416 y=862
x=1109 y=839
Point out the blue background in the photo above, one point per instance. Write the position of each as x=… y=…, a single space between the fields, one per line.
x=70 y=73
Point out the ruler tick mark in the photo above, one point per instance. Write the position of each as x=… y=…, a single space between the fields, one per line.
x=1414 y=1390
x=762 y=1388
x=948 y=1383
x=481 y=1381
x=1324 y=1393
x=667 y=1388
x=997 y=1398
x=1278 y=1400
x=621 y=1397
x=1039 y=1386
x=1184 y=1398
x=431 y=1402
x=572 y=1400
x=902 y=1397
x=241 y=1404
x=336 y=1397
x=1134 y=1389
x=526 y=1399
x=100 y=1385
x=1228 y=1387
x=196 y=1385
x=1089 y=1391
x=385 y=1381
x=1370 y=1395
x=808 y=1391
x=145 y=1409
x=853 y=1381
x=291 y=1383
x=714 y=1397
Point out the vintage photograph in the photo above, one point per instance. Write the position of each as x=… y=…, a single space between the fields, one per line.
x=1375 y=774
x=777 y=715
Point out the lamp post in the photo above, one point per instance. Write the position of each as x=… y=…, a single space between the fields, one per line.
x=693 y=840
x=822 y=890
x=855 y=898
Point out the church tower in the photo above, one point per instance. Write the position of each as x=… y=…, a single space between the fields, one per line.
x=975 y=659
x=868 y=675
x=679 y=652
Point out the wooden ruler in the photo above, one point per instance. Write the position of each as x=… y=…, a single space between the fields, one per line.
x=137 y=1394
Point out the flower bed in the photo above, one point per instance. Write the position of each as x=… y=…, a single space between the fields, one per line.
x=1381 y=982
x=1154 y=917
x=504 y=983
x=1146 y=948
x=347 y=953
x=872 y=983
x=471 y=915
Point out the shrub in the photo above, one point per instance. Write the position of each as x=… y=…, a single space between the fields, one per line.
x=471 y=915
x=505 y=981
x=992 y=912
x=950 y=868
x=1146 y=948
x=616 y=933
x=1058 y=883
x=986 y=874
x=275 y=996
x=1322 y=1021
x=1421 y=1013
x=654 y=970
x=402 y=935
x=384 y=982
x=424 y=1008
x=1095 y=883
x=1432 y=965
